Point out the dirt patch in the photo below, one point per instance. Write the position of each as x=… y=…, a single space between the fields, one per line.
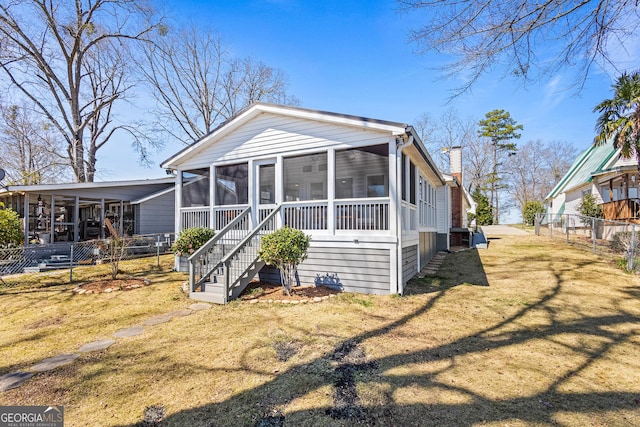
x=285 y=350
x=273 y=291
x=111 y=285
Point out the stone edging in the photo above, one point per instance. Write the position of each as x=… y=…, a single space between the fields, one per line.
x=286 y=301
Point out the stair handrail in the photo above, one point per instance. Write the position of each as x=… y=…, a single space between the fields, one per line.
x=210 y=244
x=227 y=258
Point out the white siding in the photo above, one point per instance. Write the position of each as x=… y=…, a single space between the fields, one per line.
x=443 y=208
x=269 y=135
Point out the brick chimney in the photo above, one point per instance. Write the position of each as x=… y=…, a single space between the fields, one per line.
x=455 y=169
x=455 y=162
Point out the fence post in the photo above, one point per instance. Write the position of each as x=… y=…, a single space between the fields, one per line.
x=158 y=249
x=71 y=265
x=632 y=250
x=593 y=234
x=566 y=227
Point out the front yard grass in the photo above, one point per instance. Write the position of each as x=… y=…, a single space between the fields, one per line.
x=528 y=332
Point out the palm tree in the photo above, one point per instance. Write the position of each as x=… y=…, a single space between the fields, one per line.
x=619 y=119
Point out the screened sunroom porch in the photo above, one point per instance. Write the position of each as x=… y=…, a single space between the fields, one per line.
x=332 y=192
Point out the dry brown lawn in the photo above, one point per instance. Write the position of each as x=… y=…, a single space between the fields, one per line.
x=530 y=332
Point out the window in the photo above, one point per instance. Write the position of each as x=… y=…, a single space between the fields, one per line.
x=232 y=184
x=412 y=183
x=267 y=184
x=376 y=186
x=304 y=177
x=362 y=172
x=195 y=188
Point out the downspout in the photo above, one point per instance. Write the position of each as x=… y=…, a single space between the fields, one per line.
x=399 y=148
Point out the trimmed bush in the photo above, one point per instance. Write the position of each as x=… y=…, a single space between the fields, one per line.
x=192 y=239
x=530 y=210
x=285 y=248
x=10 y=228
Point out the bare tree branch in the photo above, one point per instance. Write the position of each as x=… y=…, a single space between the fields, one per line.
x=529 y=40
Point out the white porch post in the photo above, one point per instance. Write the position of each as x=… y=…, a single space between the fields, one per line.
x=178 y=194
x=251 y=195
x=53 y=218
x=26 y=218
x=331 y=191
x=279 y=190
x=102 y=218
x=212 y=195
x=76 y=217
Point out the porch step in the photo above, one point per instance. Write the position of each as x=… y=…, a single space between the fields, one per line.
x=213 y=292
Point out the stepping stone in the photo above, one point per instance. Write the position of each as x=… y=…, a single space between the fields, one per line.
x=96 y=345
x=180 y=313
x=129 y=332
x=54 y=362
x=13 y=380
x=164 y=318
x=200 y=306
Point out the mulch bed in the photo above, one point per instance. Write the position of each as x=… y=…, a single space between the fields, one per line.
x=257 y=290
x=111 y=285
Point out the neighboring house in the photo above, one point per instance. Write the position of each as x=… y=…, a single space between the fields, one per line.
x=77 y=211
x=366 y=190
x=601 y=171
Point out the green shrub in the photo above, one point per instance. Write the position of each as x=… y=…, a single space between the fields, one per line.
x=10 y=228
x=589 y=208
x=285 y=248
x=192 y=239
x=529 y=211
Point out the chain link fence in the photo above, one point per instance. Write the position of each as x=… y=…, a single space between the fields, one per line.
x=46 y=257
x=615 y=240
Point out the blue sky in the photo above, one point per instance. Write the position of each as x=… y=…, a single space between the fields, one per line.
x=354 y=57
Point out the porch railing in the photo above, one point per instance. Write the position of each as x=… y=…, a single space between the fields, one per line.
x=205 y=260
x=306 y=216
x=370 y=214
x=362 y=215
x=622 y=210
x=223 y=215
x=409 y=217
x=195 y=217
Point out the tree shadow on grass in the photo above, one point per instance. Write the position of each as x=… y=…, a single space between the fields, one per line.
x=347 y=371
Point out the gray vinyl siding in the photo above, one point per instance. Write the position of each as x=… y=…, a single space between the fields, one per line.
x=157 y=215
x=428 y=248
x=270 y=135
x=409 y=262
x=364 y=270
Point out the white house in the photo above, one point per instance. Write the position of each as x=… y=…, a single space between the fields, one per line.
x=366 y=190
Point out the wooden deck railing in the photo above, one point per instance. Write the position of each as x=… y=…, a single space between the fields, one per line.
x=622 y=210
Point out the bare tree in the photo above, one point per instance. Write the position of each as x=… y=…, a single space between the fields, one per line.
x=530 y=39
x=449 y=130
x=68 y=59
x=29 y=149
x=199 y=84
x=536 y=168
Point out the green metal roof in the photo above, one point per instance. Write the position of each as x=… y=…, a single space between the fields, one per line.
x=588 y=163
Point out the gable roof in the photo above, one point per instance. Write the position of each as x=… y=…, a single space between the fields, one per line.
x=588 y=163
x=258 y=108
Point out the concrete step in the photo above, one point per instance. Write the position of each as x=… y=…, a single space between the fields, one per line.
x=212 y=292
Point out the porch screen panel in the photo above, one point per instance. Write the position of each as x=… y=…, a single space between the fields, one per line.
x=232 y=184
x=305 y=177
x=362 y=172
x=195 y=188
